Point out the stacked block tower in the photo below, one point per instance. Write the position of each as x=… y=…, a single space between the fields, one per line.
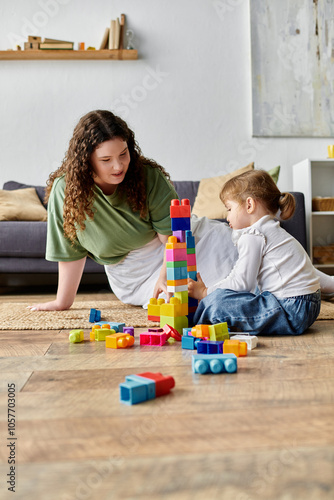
x=180 y=264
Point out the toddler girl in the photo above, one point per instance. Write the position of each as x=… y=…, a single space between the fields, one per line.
x=273 y=287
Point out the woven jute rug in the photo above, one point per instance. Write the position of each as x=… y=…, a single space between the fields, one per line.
x=16 y=316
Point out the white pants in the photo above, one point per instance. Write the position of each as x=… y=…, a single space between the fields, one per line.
x=133 y=279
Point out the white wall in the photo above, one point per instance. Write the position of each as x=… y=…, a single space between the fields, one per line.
x=188 y=97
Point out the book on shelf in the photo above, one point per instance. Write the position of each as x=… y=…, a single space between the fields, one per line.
x=112 y=34
x=116 y=34
x=51 y=43
x=105 y=40
x=121 y=32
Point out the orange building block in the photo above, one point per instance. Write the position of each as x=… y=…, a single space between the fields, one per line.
x=177 y=282
x=119 y=340
x=173 y=243
x=236 y=347
x=200 y=331
x=92 y=332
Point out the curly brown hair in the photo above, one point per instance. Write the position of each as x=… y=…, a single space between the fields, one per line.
x=93 y=129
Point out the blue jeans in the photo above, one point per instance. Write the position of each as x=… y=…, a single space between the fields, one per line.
x=260 y=313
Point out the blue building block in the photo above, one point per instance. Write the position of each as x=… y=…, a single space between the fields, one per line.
x=214 y=363
x=94 y=315
x=190 y=342
x=180 y=224
x=176 y=273
x=118 y=327
x=192 y=275
x=192 y=302
x=136 y=389
x=211 y=347
x=186 y=331
x=190 y=239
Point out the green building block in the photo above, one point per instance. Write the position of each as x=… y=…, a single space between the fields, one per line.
x=178 y=322
x=76 y=336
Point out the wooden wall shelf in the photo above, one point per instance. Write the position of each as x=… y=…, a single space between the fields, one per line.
x=60 y=55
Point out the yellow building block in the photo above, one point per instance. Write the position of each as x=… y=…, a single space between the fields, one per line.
x=174 y=308
x=153 y=308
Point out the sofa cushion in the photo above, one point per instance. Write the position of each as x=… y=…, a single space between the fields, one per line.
x=21 y=205
x=40 y=190
x=22 y=239
x=208 y=202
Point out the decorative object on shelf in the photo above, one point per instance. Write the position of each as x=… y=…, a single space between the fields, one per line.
x=129 y=40
x=323 y=204
x=330 y=151
x=32 y=43
x=323 y=254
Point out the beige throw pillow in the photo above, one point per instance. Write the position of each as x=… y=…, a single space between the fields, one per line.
x=207 y=202
x=21 y=204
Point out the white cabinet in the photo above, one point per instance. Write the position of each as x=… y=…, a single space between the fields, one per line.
x=316 y=178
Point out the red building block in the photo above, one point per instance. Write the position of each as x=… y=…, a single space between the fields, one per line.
x=172 y=332
x=178 y=211
x=163 y=384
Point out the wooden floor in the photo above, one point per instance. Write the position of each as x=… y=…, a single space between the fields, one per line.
x=263 y=433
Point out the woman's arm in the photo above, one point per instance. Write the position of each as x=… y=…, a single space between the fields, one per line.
x=69 y=276
x=161 y=284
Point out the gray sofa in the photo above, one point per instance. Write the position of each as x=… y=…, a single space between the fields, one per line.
x=22 y=244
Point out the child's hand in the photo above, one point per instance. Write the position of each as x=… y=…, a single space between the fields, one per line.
x=197 y=289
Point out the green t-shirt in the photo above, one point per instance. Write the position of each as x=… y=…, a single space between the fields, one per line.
x=115 y=229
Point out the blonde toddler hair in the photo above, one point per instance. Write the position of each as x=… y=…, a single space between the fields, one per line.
x=259 y=185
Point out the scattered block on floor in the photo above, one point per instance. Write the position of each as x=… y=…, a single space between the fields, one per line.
x=251 y=340
x=119 y=340
x=154 y=336
x=214 y=363
x=94 y=315
x=210 y=347
x=76 y=336
x=144 y=386
x=236 y=347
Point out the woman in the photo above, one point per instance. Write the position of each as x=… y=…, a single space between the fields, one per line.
x=107 y=201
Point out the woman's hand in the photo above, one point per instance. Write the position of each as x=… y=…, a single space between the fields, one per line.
x=49 y=306
x=197 y=289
